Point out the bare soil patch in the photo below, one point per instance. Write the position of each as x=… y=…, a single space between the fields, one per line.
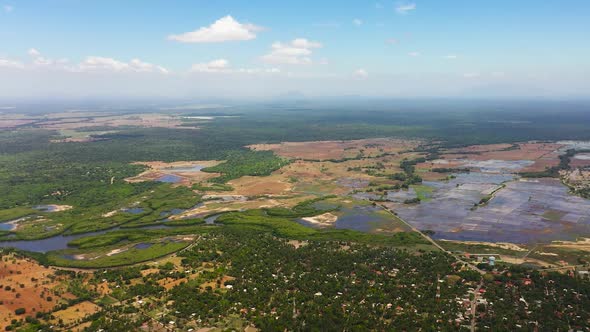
x=26 y=284
x=336 y=150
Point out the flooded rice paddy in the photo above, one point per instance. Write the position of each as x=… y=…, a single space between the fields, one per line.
x=521 y=212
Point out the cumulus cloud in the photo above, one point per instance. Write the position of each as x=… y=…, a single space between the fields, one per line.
x=34 y=53
x=223 y=66
x=360 y=73
x=41 y=61
x=405 y=7
x=297 y=52
x=222 y=30
x=97 y=63
x=358 y=22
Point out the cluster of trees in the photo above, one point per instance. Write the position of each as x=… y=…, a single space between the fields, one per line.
x=241 y=163
x=532 y=300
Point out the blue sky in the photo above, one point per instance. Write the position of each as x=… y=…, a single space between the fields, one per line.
x=264 y=48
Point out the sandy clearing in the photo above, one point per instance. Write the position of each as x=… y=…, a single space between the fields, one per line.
x=158 y=169
x=73 y=314
x=501 y=245
x=583 y=244
x=323 y=220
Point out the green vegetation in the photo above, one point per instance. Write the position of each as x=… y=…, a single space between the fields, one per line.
x=127 y=256
x=423 y=192
x=15 y=213
x=212 y=187
x=254 y=163
x=148 y=207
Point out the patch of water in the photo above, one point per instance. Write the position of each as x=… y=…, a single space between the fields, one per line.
x=135 y=210
x=143 y=245
x=185 y=169
x=169 y=178
x=401 y=195
x=57 y=242
x=517 y=213
x=582 y=156
x=499 y=166
x=6 y=227
x=211 y=219
x=45 y=208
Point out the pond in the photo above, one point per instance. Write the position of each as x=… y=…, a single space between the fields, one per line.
x=135 y=210
x=46 y=208
x=57 y=242
x=143 y=245
x=210 y=220
x=185 y=169
x=169 y=178
x=364 y=218
x=6 y=226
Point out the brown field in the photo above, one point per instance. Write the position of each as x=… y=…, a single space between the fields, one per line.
x=74 y=314
x=28 y=281
x=135 y=120
x=326 y=150
x=543 y=154
x=255 y=185
x=12 y=123
x=525 y=151
x=579 y=163
x=322 y=177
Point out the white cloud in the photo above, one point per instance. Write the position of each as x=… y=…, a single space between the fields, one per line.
x=222 y=30
x=92 y=63
x=7 y=63
x=215 y=66
x=414 y=54
x=34 y=53
x=223 y=66
x=358 y=22
x=405 y=7
x=297 y=52
x=8 y=8
x=96 y=63
x=451 y=56
x=360 y=73
x=392 y=41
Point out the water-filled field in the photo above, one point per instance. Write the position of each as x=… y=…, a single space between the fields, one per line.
x=523 y=212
